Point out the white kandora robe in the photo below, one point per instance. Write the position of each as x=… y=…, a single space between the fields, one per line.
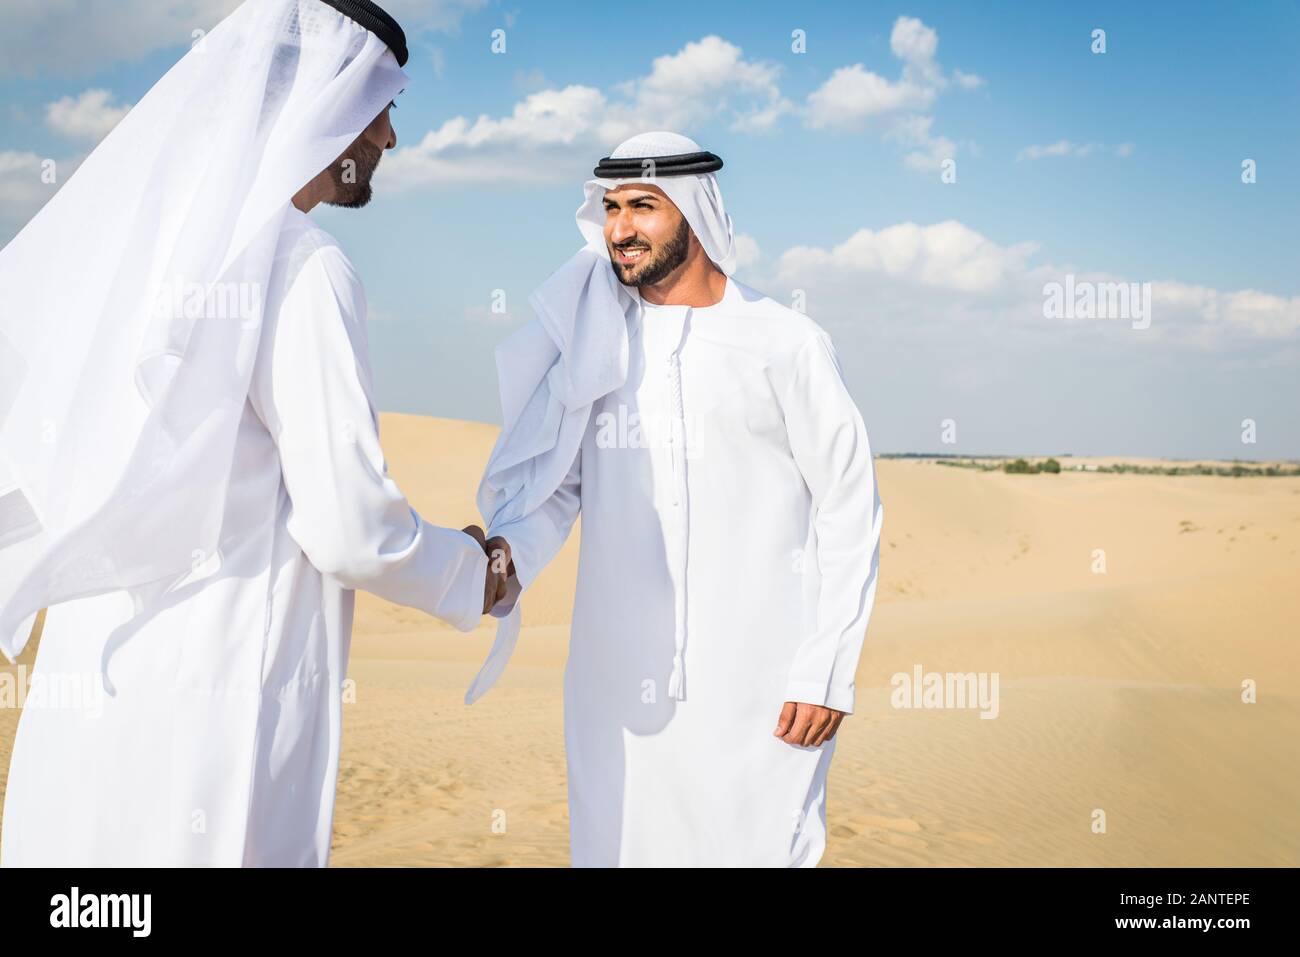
x=729 y=549
x=215 y=738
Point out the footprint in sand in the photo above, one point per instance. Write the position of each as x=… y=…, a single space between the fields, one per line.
x=451 y=788
x=854 y=826
x=905 y=824
x=906 y=841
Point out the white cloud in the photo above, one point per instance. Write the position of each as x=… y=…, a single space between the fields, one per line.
x=72 y=36
x=89 y=116
x=931 y=150
x=912 y=277
x=747 y=252
x=946 y=255
x=434 y=16
x=75 y=36
x=762 y=119
x=1260 y=314
x=552 y=134
x=704 y=78
x=854 y=94
x=1059 y=148
x=529 y=81
x=855 y=98
x=1068 y=148
x=20 y=178
x=535 y=143
x=23 y=186
x=916 y=44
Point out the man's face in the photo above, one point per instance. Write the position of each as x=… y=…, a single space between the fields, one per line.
x=351 y=173
x=646 y=234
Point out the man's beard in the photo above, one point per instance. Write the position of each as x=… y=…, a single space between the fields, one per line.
x=365 y=157
x=671 y=255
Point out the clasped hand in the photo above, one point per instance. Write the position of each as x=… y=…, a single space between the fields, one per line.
x=500 y=566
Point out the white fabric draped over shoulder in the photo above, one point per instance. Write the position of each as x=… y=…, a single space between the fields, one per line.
x=133 y=304
x=574 y=352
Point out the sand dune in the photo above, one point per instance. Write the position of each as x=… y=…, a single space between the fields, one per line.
x=1120 y=691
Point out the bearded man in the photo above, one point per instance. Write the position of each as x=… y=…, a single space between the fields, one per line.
x=730 y=527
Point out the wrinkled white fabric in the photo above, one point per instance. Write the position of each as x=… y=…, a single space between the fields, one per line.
x=730 y=517
x=208 y=725
x=133 y=302
x=573 y=352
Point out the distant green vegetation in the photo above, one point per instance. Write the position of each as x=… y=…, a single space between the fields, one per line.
x=1051 y=466
x=1234 y=470
x=1021 y=467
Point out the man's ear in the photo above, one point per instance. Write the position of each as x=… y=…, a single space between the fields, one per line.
x=693 y=244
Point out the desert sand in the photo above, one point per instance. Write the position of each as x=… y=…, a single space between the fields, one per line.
x=1121 y=691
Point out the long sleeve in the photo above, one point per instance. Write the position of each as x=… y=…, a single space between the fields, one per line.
x=538 y=537
x=830 y=447
x=312 y=388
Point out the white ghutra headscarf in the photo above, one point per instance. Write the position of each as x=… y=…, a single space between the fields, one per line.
x=122 y=374
x=575 y=351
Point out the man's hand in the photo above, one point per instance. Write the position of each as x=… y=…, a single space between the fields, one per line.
x=499 y=568
x=808 y=725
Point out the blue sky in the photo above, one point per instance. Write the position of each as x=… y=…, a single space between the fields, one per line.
x=1117 y=166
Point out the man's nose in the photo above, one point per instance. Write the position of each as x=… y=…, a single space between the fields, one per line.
x=622 y=228
x=392 y=139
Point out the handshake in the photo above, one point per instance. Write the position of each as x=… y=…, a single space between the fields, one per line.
x=499 y=568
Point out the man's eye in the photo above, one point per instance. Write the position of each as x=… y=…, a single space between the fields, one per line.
x=392 y=104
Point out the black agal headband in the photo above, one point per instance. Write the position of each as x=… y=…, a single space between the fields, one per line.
x=373 y=18
x=679 y=164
